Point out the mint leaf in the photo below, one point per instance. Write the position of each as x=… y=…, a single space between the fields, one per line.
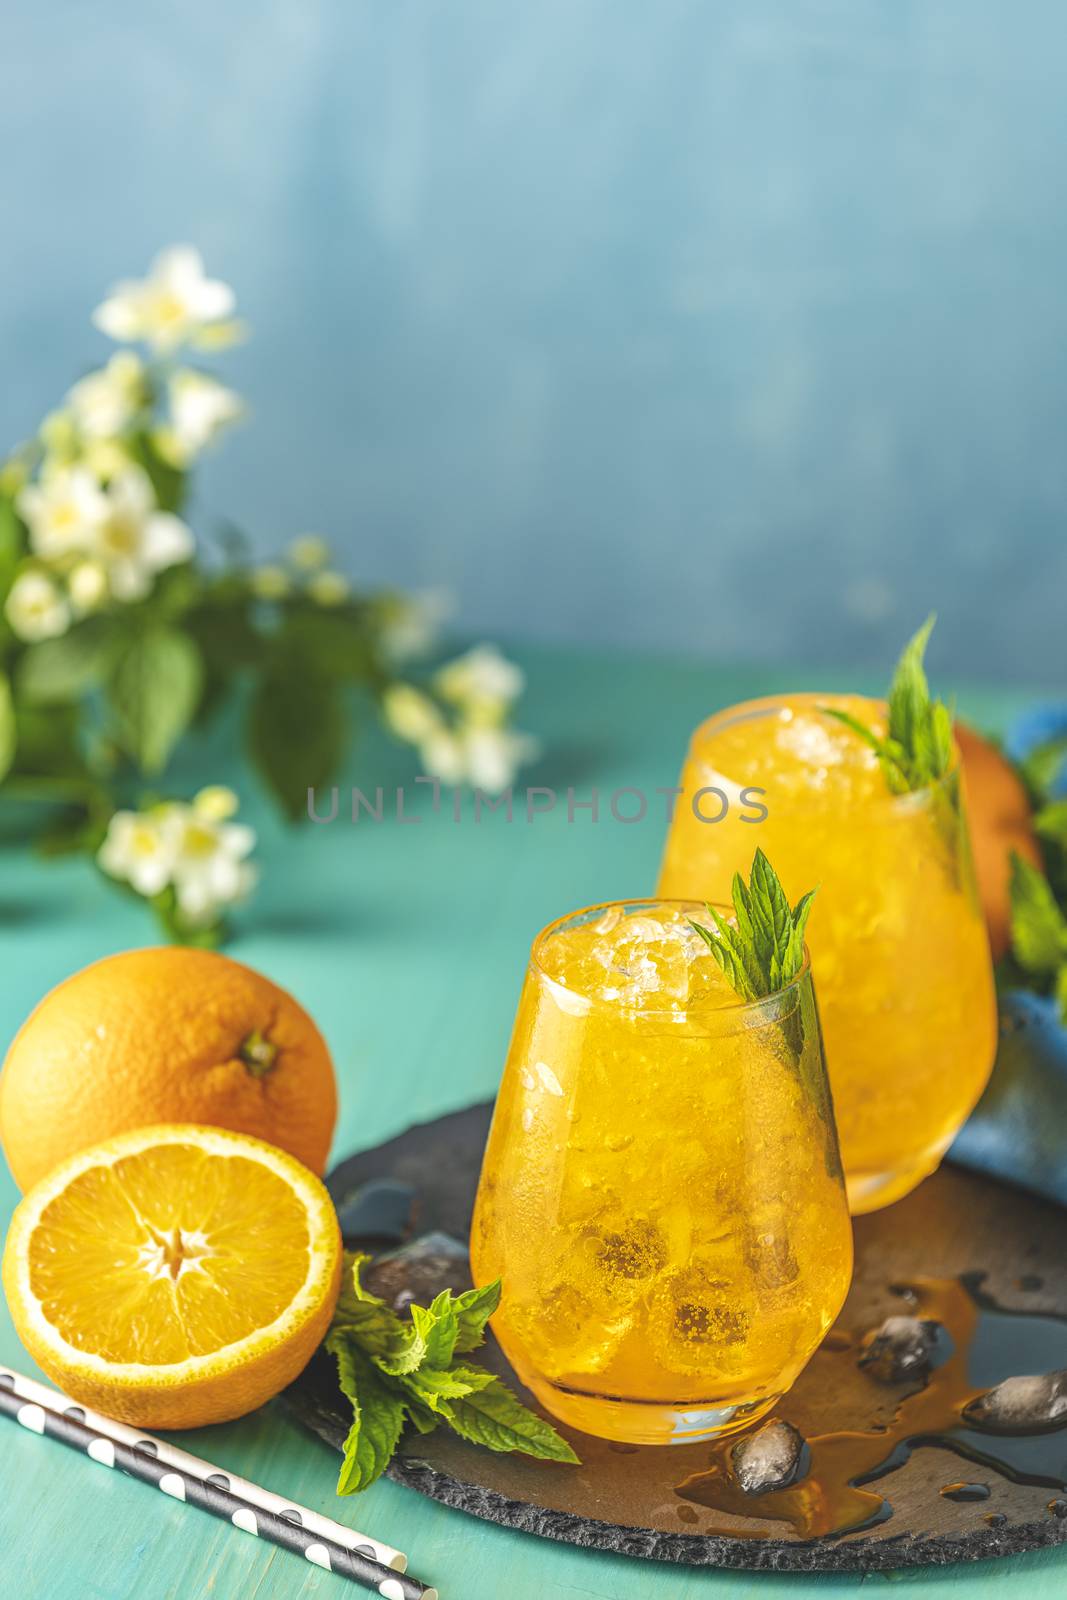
x=438 y=1327
x=1061 y=991
x=763 y=950
x=1041 y=766
x=1051 y=821
x=433 y=1386
x=395 y=1370
x=497 y=1419
x=377 y=1415
x=429 y=1341
x=1038 y=926
x=916 y=750
x=890 y=754
x=473 y=1311
x=378 y=1329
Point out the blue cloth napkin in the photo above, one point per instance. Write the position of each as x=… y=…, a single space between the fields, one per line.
x=1018 y=1131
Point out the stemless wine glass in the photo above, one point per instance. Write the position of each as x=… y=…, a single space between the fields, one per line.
x=662 y=1191
x=898 y=942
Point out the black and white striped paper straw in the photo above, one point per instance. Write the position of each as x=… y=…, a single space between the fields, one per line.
x=182 y=1461
x=142 y=1461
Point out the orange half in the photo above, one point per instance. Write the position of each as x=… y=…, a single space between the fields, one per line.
x=174 y=1276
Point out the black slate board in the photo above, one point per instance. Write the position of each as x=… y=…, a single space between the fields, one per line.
x=624 y=1499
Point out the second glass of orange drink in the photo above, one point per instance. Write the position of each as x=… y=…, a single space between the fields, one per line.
x=899 y=946
x=662 y=1192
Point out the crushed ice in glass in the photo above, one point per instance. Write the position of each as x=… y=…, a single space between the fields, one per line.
x=647 y=959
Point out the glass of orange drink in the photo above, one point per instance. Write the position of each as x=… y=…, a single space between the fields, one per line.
x=662 y=1192
x=898 y=943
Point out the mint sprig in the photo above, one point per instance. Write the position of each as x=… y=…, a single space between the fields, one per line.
x=1038 y=930
x=916 y=750
x=395 y=1371
x=762 y=950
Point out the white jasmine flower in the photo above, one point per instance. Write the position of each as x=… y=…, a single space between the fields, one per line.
x=64 y=512
x=410 y=623
x=481 y=681
x=106 y=458
x=270 y=582
x=411 y=714
x=87 y=587
x=309 y=552
x=493 y=757
x=209 y=868
x=443 y=756
x=36 y=607
x=138 y=850
x=328 y=588
x=105 y=402
x=217 y=803
x=200 y=408
x=170 y=306
x=59 y=435
x=193 y=849
x=137 y=540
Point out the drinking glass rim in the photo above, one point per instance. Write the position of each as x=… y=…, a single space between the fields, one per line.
x=744 y=710
x=731 y=1009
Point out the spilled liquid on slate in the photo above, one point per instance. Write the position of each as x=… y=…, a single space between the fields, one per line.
x=846 y=1488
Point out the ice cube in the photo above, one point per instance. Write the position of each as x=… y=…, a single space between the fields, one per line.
x=771 y=1458
x=903 y=1347
x=581 y=1338
x=639 y=1251
x=767 y=1249
x=418 y=1272
x=698 y=1322
x=1022 y=1405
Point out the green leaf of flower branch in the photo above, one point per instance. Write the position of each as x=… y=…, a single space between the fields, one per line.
x=153 y=690
x=1038 y=926
x=55 y=671
x=297 y=732
x=8 y=729
x=12 y=544
x=496 y=1418
x=473 y=1310
x=378 y=1415
x=168 y=481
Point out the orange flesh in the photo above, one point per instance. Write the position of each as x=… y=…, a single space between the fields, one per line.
x=168 y=1253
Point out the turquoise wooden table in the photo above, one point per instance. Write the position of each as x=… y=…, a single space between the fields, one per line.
x=407 y=943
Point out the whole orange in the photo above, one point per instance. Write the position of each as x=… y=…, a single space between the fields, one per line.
x=164 y=1035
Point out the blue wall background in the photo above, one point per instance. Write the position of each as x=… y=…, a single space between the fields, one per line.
x=734 y=328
